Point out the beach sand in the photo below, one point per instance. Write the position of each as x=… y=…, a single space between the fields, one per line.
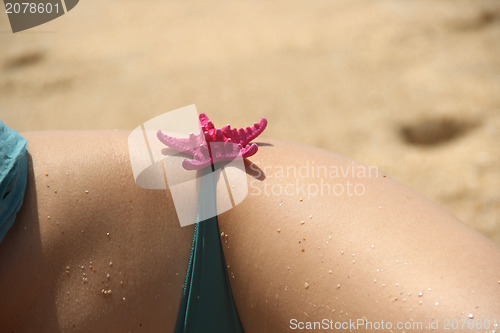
x=411 y=87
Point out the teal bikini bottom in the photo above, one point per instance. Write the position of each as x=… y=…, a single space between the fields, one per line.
x=13 y=176
x=207 y=304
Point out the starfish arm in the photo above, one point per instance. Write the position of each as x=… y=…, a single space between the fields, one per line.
x=201 y=159
x=180 y=144
x=249 y=150
x=242 y=135
x=195 y=164
x=206 y=122
x=255 y=131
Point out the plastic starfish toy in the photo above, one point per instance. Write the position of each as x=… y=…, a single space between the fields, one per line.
x=231 y=142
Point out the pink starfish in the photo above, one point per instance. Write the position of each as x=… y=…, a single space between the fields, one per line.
x=216 y=144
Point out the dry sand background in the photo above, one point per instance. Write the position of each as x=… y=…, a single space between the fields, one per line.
x=412 y=87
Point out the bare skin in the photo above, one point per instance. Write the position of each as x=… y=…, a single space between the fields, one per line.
x=383 y=247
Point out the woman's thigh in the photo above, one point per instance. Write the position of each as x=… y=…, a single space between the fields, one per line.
x=323 y=237
x=85 y=228
x=317 y=237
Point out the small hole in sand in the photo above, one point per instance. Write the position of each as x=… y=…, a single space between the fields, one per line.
x=435 y=131
x=25 y=59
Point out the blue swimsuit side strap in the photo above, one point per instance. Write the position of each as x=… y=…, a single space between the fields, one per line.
x=13 y=176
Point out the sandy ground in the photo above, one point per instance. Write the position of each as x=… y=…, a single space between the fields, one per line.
x=412 y=87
